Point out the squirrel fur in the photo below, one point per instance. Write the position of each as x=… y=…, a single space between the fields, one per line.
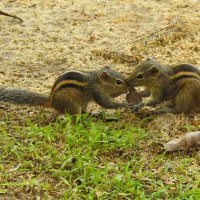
x=74 y=90
x=179 y=84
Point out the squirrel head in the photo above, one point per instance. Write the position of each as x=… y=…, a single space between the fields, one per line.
x=112 y=82
x=145 y=74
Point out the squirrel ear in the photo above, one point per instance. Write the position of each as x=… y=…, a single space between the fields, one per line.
x=154 y=71
x=104 y=75
x=150 y=58
x=106 y=67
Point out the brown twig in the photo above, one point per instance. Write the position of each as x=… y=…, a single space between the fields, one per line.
x=6 y=14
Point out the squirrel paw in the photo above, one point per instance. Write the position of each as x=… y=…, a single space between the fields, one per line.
x=98 y=115
x=102 y=116
x=136 y=108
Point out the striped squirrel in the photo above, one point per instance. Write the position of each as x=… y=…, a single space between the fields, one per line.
x=6 y=14
x=185 y=142
x=73 y=90
x=179 y=84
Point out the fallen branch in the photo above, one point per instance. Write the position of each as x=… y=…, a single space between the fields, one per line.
x=6 y=14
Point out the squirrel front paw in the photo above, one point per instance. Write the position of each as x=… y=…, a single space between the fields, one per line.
x=136 y=108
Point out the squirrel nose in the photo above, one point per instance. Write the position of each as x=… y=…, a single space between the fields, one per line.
x=129 y=83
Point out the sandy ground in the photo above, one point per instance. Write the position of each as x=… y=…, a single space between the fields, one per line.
x=60 y=35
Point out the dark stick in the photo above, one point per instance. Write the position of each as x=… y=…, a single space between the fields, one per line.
x=6 y=14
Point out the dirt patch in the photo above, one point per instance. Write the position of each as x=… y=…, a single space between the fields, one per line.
x=61 y=35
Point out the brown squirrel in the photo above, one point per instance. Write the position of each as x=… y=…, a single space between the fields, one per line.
x=179 y=84
x=185 y=142
x=74 y=90
x=6 y=14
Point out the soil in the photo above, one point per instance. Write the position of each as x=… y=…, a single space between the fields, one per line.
x=60 y=35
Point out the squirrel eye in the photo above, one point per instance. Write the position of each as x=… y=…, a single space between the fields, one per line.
x=118 y=82
x=140 y=76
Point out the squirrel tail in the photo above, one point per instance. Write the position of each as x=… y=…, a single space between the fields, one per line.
x=185 y=142
x=18 y=96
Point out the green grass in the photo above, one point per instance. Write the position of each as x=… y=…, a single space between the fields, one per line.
x=80 y=158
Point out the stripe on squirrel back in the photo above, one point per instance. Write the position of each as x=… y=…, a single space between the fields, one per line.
x=71 y=75
x=184 y=71
x=184 y=68
x=71 y=79
x=69 y=83
x=181 y=75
